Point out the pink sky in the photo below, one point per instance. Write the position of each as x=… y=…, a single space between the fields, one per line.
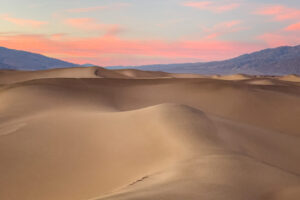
x=120 y=34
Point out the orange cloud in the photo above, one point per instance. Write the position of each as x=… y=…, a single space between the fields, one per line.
x=117 y=51
x=23 y=22
x=279 y=12
x=293 y=27
x=211 y=6
x=57 y=36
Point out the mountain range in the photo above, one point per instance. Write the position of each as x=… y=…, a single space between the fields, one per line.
x=23 y=60
x=277 y=61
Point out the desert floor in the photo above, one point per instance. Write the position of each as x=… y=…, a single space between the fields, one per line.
x=96 y=134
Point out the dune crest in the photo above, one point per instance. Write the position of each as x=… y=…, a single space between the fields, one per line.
x=232 y=77
x=292 y=78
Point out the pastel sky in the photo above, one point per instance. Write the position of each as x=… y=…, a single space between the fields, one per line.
x=137 y=32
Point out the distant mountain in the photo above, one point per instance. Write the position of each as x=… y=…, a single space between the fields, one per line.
x=277 y=61
x=88 y=65
x=22 y=60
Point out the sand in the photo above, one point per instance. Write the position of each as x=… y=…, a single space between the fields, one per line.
x=95 y=134
x=291 y=78
x=232 y=77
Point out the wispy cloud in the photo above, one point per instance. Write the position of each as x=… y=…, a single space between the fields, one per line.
x=212 y=6
x=230 y=24
x=57 y=36
x=90 y=24
x=84 y=23
x=23 y=22
x=279 y=12
x=223 y=28
x=88 y=9
x=293 y=27
x=279 y=39
x=97 y=8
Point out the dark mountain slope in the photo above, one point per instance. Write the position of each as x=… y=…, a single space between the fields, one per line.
x=278 y=61
x=22 y=60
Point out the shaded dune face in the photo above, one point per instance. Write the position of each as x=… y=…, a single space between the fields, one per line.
x=83 y=134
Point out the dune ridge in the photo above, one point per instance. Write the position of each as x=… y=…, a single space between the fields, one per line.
x=95 y=134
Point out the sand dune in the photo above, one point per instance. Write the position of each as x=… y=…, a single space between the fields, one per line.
x=11 y=76
x=133 y=73
x=232 y=77
x=93 y=134
x=261 y=81
x=292 y=78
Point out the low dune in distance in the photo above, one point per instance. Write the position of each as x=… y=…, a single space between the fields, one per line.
x=292 y=77
x=98 y=134
x=232 y=77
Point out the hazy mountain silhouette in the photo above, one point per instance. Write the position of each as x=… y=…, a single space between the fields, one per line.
x=22 y=60
x=277 y=61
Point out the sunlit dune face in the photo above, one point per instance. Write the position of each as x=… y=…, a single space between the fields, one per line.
x=88 y=133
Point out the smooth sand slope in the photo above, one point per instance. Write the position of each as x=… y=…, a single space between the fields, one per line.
x=96 y=134
x=11 y=76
